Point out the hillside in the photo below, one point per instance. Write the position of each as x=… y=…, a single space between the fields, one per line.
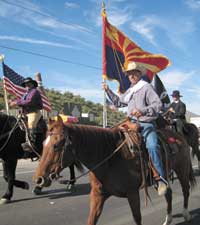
x=58 y=99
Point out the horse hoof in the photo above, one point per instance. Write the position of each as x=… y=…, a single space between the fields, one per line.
x=70 y=187
x=26 y=186
x=168 y=219
x=187 y=215
x=37 y=191
x=4 y=201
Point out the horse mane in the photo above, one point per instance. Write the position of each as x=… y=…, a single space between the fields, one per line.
x=89 y=138
x=6 y=120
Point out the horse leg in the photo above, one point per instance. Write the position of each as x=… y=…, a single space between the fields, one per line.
x=168 y=197
x=96 y=206
x=97 y=199
x=134 y=202
x=184 y=181
x=197 y=152
x=72 y=180
x=9 y=176
x=9 y=170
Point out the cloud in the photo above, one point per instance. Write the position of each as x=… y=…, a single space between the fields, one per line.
x=193 y=4
x=116 y=16
x=34 y=41
x=32 y=15
x=176 y=31
x=146 y=27
x=186 y=83
x=71 y=5
x=175 y=78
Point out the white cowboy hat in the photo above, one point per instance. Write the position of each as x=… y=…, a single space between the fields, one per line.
x=134 y=66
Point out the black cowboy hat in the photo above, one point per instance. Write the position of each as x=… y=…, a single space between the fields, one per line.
x=176 y=93
x=29 y=80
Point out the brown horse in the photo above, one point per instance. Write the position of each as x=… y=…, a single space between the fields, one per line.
x=115 y=171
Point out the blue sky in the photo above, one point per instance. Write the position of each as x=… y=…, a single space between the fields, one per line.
x=71 y=30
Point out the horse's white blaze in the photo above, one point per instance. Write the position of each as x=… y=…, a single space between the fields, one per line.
x=47 y=140
x=168 y=219
x=186 y=215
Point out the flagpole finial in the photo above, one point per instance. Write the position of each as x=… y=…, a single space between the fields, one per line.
x=103 y=9
x=2 y=57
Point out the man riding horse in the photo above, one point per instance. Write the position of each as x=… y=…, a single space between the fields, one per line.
x=31 y=104
x=143 y=105
x=177 y=112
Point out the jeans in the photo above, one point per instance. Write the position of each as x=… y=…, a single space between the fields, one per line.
x=151 y=140
x=179 y=125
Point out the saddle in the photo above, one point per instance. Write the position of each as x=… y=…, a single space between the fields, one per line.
x=23 y=124
x=32 y=148
x=168 y=140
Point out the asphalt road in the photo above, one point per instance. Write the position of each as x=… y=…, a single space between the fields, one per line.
x=58 y=207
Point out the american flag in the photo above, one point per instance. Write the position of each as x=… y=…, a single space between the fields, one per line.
x=12 y=84
x=110 y=105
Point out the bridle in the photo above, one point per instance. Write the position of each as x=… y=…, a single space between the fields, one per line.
x=63 y=149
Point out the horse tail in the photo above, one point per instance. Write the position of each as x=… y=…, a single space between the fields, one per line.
x=79 y=166
x=192 y=178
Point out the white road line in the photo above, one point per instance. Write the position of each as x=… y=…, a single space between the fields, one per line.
x=29 y=171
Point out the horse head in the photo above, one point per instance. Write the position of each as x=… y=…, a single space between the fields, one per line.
x=54 y=151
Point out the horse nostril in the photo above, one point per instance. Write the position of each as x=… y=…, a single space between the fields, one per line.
x=40 y=181
x=52 y=176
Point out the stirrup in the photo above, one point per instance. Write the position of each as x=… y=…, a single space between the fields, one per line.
x=26 y=147
x=162 y=179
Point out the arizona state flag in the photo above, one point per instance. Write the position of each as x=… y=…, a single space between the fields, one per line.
x=119 y=50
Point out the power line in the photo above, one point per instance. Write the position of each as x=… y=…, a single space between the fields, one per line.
x=50 y=57
x=47 y=15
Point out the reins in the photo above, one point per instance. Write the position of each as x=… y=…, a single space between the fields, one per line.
x=97 y=165
x=9 y=134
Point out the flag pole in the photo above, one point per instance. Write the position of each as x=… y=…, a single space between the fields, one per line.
x=4 y=89
x=103 y=13
x=38 y=78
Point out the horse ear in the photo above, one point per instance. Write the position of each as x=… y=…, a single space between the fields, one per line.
x=49 y=120
x=59 y=119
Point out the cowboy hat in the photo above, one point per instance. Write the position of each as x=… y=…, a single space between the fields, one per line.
x=134 y=66
x=29 y=80
x=176 y=93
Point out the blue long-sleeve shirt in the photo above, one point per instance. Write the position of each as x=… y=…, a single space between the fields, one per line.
x=31 y=101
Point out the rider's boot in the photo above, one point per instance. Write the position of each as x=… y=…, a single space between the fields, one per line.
x=30 y=144
x=162 y=186
x=161 y=182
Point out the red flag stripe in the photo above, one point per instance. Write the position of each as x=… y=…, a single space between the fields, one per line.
x=20 y=91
